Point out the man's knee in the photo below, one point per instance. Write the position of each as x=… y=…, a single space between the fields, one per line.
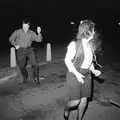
x=35 y=68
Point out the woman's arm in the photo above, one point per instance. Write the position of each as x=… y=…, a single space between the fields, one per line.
x=92 y=68
x=94 y=71
x=71 y=51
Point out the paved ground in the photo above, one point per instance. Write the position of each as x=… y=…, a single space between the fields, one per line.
x=46 y=101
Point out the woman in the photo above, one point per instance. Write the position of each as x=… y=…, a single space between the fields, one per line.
x=79 y=61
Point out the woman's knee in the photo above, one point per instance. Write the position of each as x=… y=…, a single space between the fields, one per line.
x=73 y=103
x=83 y=101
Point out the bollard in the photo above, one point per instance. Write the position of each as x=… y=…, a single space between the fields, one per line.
x=48 y=54
x=12 y=58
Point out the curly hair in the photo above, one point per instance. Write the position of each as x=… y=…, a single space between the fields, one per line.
x=85 y=28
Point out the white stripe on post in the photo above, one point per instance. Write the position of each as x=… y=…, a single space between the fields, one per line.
x=48 y=56
x=12 y=58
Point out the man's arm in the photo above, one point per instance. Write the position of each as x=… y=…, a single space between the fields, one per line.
x=13 y=37
x=35 y=37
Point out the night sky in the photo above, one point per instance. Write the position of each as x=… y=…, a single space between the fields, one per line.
x=54 y=17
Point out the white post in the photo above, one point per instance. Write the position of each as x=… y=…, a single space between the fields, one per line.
x=12 y=58
x=48 y=54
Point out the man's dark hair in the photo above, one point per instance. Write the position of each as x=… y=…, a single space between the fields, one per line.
x=26 y=21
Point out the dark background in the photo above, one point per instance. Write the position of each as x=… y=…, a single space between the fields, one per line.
x=54 y=17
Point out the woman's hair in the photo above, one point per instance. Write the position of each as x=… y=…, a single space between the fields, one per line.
x=96 y=43
x=85 y=28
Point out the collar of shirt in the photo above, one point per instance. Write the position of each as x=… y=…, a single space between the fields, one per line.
x=25 y=32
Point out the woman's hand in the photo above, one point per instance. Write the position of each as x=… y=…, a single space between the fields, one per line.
x=80 y=78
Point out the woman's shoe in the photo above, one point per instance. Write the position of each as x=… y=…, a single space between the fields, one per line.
x=66 y=114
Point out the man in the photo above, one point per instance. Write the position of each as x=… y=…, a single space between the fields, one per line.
x=79 y=61
x=22 y=39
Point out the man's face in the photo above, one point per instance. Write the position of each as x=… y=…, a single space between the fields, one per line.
x=25 y=27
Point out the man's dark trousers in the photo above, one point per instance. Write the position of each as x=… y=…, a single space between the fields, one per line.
x=23 y=55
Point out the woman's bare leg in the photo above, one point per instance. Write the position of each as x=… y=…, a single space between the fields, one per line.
x=81 y=108
x=72 y=105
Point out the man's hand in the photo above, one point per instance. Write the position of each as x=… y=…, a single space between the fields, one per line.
x=17 y=47
x=97 y=73
x=38 y=30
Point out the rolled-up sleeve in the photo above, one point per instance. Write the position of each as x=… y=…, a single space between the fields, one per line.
x=35 y=37
x=13 y=37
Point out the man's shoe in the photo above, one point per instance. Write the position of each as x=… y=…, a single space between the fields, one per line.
x=36 y=80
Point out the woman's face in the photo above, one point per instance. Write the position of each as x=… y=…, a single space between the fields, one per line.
x=90 y=35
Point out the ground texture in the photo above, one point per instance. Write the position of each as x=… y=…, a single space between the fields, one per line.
x=47 y=100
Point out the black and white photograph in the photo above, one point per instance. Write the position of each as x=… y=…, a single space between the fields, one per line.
x=60 y=60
